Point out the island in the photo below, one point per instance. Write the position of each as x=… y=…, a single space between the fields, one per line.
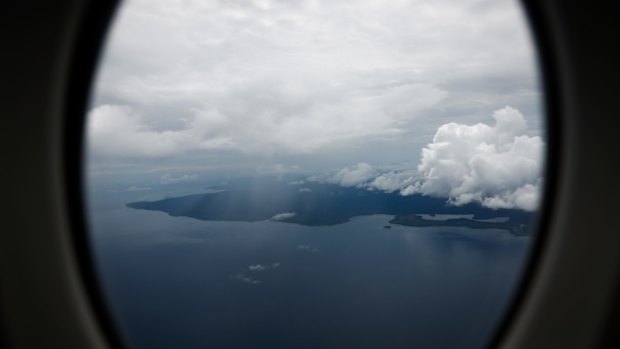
x=514 y=226
x=319 y=204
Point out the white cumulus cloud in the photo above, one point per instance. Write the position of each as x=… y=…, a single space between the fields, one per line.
x=498 y=166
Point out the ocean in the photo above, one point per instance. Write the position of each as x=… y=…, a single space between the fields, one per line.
x=183 y=283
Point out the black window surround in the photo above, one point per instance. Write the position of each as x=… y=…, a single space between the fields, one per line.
x=49 y=293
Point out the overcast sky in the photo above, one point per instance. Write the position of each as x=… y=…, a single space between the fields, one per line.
x=188 y=88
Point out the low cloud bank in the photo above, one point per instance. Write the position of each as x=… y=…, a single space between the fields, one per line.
x=170 y=179
x=363 y=175
x=356 y=176
x=497 y=166
x=283 y=216
x=136 y=188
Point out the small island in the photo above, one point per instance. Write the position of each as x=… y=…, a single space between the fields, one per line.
x=516 y=227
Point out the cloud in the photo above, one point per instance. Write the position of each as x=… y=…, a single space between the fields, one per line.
x=261 y=267
x=277 y=169
x=283 y=216
x=355 y=176
x=305 y=190
x=269 y=129
x=135 y=188
x=308 y=248
x=170 y=179
x=256 y=267
x=498 y=166
x=394 y=181
x=120 y=131
x=363 y=175
x=300 y=77
x=245 y=279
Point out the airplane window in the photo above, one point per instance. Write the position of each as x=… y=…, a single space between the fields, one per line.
x=314 y=174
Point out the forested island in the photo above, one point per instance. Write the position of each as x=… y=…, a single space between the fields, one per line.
x=517 y=225
x=316 y=204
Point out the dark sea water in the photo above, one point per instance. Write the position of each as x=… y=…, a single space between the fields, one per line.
x=182 y=283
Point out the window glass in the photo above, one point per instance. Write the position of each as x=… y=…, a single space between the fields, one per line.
x=314 y=174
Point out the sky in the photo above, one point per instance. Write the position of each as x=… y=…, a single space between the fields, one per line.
x=438 y=97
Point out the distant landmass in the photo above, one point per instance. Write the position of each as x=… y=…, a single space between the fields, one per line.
x=515 y=226
x=317 y=204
